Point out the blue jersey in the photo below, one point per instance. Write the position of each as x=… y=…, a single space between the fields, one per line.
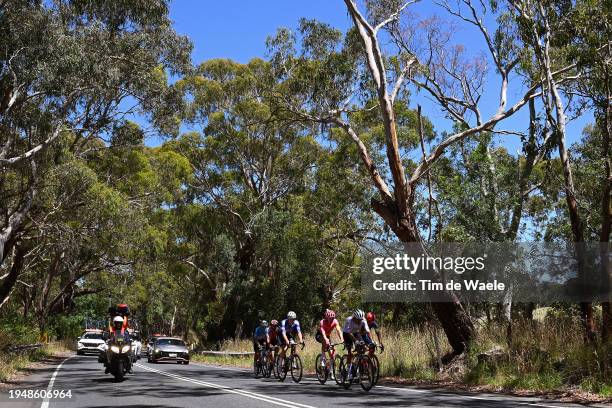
x=290 y=328
x=260 y=333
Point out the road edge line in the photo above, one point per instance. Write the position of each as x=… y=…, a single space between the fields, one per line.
x=45 y=403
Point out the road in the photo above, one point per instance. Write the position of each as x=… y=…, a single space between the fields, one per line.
x=168 y=385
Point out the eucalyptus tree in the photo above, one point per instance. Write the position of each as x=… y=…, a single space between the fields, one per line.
x=78 y=67
x=592 y=48
x=558 y=35
x=258 y=180
x=331 y=76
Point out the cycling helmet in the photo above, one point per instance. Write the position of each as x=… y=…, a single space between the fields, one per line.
x=263 y=323
x=370 y=317
x=117 y=322
x=358 y=314
x=291 y=316
x=274 y=322
x=330 y=314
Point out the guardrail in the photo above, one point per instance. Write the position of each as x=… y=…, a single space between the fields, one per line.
x=227 y=353
x=24 y=347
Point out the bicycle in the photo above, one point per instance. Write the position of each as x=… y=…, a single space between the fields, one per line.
x=333 y=361
x=259 y=366
x=270 y=358
x=292 y=363
x=361 y=368
x=375 y=363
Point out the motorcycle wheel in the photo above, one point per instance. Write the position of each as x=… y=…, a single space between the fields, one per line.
x=119 y=372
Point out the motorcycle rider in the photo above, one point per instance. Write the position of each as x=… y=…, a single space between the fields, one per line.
x=117 y=329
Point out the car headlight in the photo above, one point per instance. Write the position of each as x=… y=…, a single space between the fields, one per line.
x=79 y=344
x=156 y=351
x=125 y=348
x=115 y=349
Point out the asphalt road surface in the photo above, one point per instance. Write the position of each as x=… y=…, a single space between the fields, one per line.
x=169 y=385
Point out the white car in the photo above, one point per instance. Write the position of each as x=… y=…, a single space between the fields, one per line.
x=92 y=341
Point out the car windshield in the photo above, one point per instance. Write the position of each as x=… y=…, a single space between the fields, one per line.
x=169 y=342
x=96 y=336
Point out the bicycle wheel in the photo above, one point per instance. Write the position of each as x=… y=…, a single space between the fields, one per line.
x=268 y=367
x=375 y=368
x=264 y=367
x=344 y=373
x=321 y=371
x=256 y=368
x=364 y=373
x=337 y=363
x=296 y=368
x=281 y=372
x=331 y=368
x=273 y=369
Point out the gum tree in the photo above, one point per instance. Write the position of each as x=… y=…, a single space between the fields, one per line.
x=71 y=67
x=333 y=77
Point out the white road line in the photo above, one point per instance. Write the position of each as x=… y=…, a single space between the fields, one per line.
x=222 y=367
x=417 y=390
x=244 y=393
x=45 y=403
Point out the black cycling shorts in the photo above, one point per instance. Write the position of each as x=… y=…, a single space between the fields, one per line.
x=281 y=339
x=348 y=340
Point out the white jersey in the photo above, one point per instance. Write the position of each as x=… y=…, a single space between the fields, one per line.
x=352 y=326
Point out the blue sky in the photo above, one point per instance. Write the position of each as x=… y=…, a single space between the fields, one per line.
x=237 y=29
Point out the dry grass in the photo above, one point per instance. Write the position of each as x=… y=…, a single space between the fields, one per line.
x=545 y=355
x=12 y=363
x=408 y=353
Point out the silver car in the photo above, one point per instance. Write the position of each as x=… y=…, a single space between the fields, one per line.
x=169 y=349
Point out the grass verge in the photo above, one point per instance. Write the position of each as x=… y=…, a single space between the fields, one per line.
x=12 y=363
x=547 y=356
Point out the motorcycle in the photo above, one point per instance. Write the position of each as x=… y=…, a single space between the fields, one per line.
x=119 y=357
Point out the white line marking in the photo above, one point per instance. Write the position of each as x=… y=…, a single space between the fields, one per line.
x=244 y=393
x=45 y=403
x=221 y=367
x=501 y=397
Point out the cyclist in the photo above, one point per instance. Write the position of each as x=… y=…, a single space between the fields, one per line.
x=273 y=338
x=289 y=328
x=326 y=326
x=352 y=331
x=373 y=325
x=260 y=338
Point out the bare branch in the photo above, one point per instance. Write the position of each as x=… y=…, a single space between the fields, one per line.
x=394 y=16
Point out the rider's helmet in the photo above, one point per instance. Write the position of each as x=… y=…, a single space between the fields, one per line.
x=330 y=315
x=370 y=317
x=117 y=322
x=358 y=314
x=263 y=323
x=274 y=322
x=291 y=315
